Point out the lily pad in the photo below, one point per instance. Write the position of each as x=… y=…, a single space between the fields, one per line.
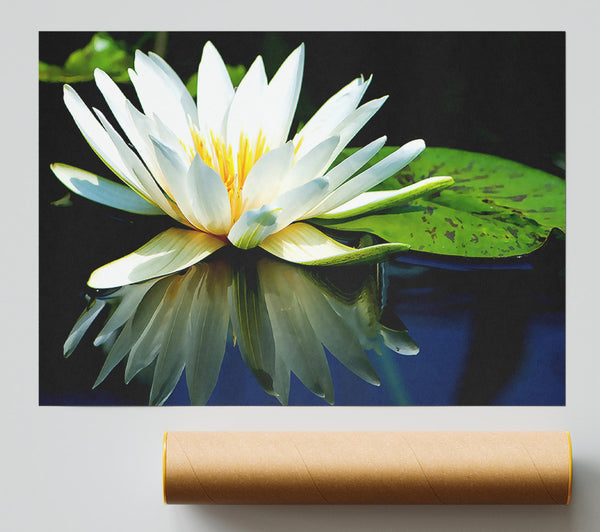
x=101 y=52
x=496 y=208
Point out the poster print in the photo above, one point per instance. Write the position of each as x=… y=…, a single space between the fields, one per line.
x=350 y=219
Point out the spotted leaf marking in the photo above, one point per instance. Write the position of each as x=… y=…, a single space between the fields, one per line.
x=496 y=208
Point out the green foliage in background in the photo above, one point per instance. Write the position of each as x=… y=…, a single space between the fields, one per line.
x=101 y=52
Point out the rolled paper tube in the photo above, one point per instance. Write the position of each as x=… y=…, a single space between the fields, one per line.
x=367 y=467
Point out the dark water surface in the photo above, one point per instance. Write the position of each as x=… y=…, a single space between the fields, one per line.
x=485 y=336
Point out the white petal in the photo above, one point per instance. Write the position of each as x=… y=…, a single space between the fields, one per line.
x=281 y=98
x=120 y=108
x=295 y=340
x=151 y=339
x=247 y=106
x=159 y=94
x=174 y=172
x=331 y=329
x=148 y=187
x=344 y=170
x=94 y=133
x=252 y=328
x=341 y=172
x=330 y=115
x=372 y=176
x=82 y=325
x=264 y=179
x=102 y=190
x=137 y=326
x=176 y=345
x=118 y=351
x=116 y=100
x=215 y=91
x=208 y=197
x=312 y=165
x=130 y=160
x=123 y=110
x=171 y=251
x=131 y=170
x=172 y=164
x=281 y=381
x=209 y=321
x=142 y=128
x=255 y=225
x=177 y=86
x=151 y=129
x=295 y=202
x=359 y=315
x=167 y=137
x=130 y=297
x=353 y=123
x=303 y=244
x=399 y=341
x=386 y=199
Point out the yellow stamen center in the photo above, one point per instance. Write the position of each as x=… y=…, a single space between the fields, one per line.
x=297 y=147
x=219 y=156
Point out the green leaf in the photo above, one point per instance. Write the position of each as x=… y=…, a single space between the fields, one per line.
x=65 y=201
x=496 y=208
x=236 y=73
x=101 y=52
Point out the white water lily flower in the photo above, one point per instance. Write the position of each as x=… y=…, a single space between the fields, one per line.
x=223 y=166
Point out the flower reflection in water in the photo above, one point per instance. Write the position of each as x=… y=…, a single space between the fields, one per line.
x=279 y=315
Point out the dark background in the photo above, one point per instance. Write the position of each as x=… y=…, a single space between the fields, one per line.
x=480 y=333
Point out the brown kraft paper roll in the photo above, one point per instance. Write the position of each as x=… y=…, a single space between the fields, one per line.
x=367 y=467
